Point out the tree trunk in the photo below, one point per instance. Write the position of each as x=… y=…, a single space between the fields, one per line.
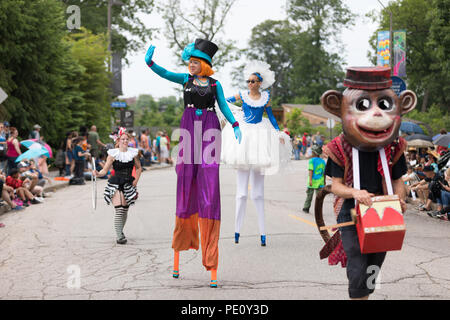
x=425 y=101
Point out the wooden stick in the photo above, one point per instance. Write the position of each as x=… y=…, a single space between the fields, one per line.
x=345 y=224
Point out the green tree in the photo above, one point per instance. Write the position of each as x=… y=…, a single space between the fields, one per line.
x=34 y=67
x=437 y=118
x=129 y=33
x=199 y=19
x=297 y=49
x=297 y=123
x=427 y=45
x=90 y=51
x=439 y=45
x=173 y=110
x=275 y=42
x=322 y=18
x=319 y=68
x=293 y=56
x=165 y=113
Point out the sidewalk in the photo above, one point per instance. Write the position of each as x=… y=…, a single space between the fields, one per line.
x=56 y=185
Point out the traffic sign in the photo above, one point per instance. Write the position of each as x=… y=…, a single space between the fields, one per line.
x=398 y=85
x=118 y=104
x=331 y=123
x=127 y=118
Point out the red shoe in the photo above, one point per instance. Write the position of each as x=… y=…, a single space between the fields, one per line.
x=2 y=225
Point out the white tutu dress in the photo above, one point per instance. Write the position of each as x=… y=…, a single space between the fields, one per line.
x=260 y=147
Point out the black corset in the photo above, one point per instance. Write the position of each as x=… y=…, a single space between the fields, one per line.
x=122 y=172
x=198 y=96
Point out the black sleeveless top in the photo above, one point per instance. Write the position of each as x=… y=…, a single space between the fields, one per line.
x=198 y=96
x=122 y=172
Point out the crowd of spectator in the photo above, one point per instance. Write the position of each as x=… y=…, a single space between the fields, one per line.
x=22 y=182
x=302 y=145
x=427 y=181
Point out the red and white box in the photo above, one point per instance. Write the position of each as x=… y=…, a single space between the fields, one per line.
x=380 y=227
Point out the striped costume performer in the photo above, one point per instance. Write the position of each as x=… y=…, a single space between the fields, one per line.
x=122 y=181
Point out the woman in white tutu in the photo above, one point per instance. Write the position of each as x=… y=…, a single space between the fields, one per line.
x=264 y=148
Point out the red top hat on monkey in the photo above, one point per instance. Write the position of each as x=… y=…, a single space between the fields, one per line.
x=371 y=116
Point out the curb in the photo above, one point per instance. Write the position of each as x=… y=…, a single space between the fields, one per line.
x=60 y=185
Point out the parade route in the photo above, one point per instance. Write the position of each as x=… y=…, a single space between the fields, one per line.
x=62 y=249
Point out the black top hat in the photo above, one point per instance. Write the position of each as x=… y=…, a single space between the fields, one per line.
x=201 y=48
x=206 y=46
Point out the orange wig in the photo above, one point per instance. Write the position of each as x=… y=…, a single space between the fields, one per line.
x=206 y=70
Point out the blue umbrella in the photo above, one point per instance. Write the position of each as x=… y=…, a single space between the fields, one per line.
x=418 y=136
x=443 y=140
x=32 y=145
x=32 y=154
x=410 y=127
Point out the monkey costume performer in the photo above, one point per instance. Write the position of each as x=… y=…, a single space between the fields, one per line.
x=197 y=168
x=371 y=117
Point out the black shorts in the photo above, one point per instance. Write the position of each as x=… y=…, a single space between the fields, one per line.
x=360 y=267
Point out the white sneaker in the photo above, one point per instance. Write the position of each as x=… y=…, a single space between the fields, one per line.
x=39 y=199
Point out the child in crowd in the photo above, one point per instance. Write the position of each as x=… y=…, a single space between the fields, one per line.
x=316 y=178
x=33 y=179
x=14 y=181
x=7 y=193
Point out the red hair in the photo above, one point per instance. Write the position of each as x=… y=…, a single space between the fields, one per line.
x=206 y=69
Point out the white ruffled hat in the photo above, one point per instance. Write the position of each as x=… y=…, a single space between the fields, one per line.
x=264 y=71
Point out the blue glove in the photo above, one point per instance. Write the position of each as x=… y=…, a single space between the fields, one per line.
x=231 y=99
x=238 y=134
x=149 y=54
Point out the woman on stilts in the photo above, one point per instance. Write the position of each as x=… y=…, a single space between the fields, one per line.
x=197 y=168
x=264 y=148
x=121 y=188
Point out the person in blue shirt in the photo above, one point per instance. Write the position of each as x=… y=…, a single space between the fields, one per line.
x=316 y=177
x=3 y=148
x=264 y=148
x=80 y=156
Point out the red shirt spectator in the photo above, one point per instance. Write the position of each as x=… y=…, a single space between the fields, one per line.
x=15 y=183
x=304 y=141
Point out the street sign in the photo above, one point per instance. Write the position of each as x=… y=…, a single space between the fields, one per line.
x=398 y=85
x=127 y=118
x=331 y=123
x=3 y=95
x=118 y=104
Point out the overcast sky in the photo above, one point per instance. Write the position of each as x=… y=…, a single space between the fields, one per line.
x=137 y=78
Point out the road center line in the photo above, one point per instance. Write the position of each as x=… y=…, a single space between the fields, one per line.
x=303 y=220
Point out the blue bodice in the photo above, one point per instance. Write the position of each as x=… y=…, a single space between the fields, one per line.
x=254 y=109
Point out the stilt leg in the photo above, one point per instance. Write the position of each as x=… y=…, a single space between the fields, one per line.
x=213 y=283
x=176 y=264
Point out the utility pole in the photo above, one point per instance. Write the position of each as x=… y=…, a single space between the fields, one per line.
x=110 y=4
x=109 y=32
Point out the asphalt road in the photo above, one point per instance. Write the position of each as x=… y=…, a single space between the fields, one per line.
x=62 y=249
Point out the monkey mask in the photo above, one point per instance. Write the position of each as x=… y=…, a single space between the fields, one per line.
x=370 y=110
